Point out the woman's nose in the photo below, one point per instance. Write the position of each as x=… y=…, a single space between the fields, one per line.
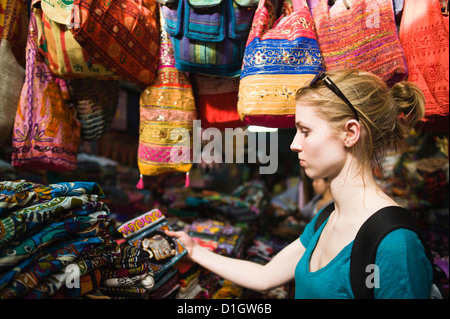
x=296 y=145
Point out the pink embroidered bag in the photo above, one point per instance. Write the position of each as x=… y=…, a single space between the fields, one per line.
x=46 y=132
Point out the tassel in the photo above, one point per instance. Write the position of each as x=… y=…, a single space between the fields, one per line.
x=140 y=184
x=187 y=182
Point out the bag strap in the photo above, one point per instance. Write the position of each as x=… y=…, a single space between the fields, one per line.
x=368 y=238
x=323 y=215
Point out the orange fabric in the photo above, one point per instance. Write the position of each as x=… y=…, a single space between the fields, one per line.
x=424 y=34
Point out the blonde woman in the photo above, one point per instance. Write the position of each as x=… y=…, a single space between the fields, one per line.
x=345 y=122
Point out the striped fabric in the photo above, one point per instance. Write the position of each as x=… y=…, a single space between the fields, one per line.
x=362 y=37
x=209 y=41
x=165 y=106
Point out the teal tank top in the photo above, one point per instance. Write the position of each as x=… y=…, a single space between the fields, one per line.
x=404 y=270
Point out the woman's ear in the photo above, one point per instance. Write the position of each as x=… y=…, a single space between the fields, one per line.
x=352 y=133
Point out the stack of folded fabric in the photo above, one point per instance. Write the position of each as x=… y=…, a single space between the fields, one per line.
x=51 y=236
x=166 y=285
x=189 y=280
x=128 y=275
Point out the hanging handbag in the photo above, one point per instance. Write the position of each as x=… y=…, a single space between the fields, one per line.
x=209 y=36
x=424 y=34
x=96 y=103
x=123 y=35
x=63 y=54
x=280 y=57
x=165 y=106
x=216 y=100
x=360 y=34
x=14 y=26
x=46 y=131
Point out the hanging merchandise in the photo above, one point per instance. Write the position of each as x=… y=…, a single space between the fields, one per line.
x=216 y=99
x=96 y=102
x=167 y=111
x=424 y=34
x=123 y=35
x=12 y=63
x=63 y=55
x=12 y=74
x=280 y=57
x=46 y=131
x=209 y=36
x=360 y=34
x=14 y=26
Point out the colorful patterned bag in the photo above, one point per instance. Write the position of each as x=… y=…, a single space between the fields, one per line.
x=360 y=34
x=280 y=57
x=147 y=233
x=122 y=34
x=209 y=35
x=424 y=32
x=64 y=55
x=216 y=100
x=46 y=131
x=165 y=106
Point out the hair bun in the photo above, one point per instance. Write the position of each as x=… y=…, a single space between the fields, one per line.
x=410 y=101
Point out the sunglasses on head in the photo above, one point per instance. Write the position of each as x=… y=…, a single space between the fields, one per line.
x=333 y=87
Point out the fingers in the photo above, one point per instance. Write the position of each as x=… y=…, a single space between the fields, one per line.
x=176 y=234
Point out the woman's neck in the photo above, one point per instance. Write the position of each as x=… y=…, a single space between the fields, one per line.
x=358 y=194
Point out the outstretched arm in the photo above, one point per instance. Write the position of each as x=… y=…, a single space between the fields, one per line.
x=245 y=273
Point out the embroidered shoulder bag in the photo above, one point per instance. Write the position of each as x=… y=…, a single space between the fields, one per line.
x=280 y=57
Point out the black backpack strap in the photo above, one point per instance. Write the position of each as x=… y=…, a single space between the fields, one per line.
x=369 y=237
x=323 y=215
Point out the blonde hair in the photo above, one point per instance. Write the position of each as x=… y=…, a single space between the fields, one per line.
x=386 y=115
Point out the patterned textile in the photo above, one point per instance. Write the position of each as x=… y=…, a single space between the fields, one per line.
x=21 y=193
x=363 y=37
x=64 y=55
x=20 y=282
x=140 y=223
x=424 y=34
x=165 y=106
x=209 y=35
x=46 y=132
x=280 y=57
x=51 y=230
x=163 y=251
x=123 y=35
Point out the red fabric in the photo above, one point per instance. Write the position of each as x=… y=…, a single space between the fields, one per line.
x=424 y=34
x=216 y=100
x=122 y=34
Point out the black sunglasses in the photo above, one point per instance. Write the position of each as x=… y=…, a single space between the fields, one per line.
x=333 y=87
